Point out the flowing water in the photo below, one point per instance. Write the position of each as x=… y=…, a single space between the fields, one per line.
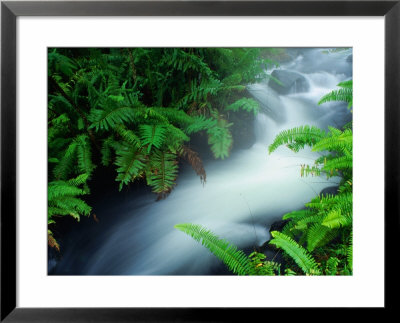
x=242 y=197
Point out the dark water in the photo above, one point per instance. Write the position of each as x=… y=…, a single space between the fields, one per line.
x=243 y=196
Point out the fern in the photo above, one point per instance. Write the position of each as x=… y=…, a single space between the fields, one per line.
x=175 y=116
x=220 y=139
x=195 y=161
x=63 y=198
x=344 y=94
x=152 y=135
x=110 y=117
x=65 y=164
x=331 y=266
x=131 y=164
x=261 y=267
x=303 y=259
x=201 y=123
x=326 y=218
x=134 y=110
x=335 y=219
x=342 y=162
x=60 y=63
x=246 y=104
x=233 y=258
x=336 y=140
x=296 y=214
x=174 y=138
x=349 y=253
x=128 y=136
x=318 y=235
x=78 y=153
x=52 y=242
x=297 y=138
x=106 y=151
x=84 y=155
x=163 y=171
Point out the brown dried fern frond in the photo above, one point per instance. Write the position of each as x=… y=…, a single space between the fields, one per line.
x=195 y=161
x=53 y=242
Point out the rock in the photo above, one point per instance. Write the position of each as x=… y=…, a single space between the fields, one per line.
x=292 y=82
x=349 y=58
x=332 y=190
x=278 y=225
x=242 y=129
x=269 y=100
x=275 y=226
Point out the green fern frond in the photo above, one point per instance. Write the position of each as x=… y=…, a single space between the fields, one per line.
x=300 y=255
x=130 y=164
x=295 y=215
x=201 y=123
x=65 y=165
x=60 y=63
x=183 y=61
x=303 y=222
x=232 y=79
x=317 y=235
x=220 y=139
x=58 y=189
x=84 y=155
x=344 y=94
x=290 y=230
x=262 y=267
x=331 y=266
x=335 y=141
x=233 y=258
x=163 y=172
x=349 y=253
x=79 y=180
x=175 y=116
x=110 y=117
x=129 y=136
x=62 y=198
x=336 y=219
x=246 y=104
x=322 y=202
x=152 y=135
x=200 y=92
x=106 y=151
x=346 y=84
x=174 y=137
x=72 y=206
x=301 y=136
x=339 y=163
x=289 y=272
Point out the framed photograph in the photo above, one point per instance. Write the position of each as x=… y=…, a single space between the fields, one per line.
x=195 y=158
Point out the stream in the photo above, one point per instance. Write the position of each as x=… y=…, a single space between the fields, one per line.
x=244 y=194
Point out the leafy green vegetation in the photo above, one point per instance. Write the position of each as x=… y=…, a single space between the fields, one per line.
x=136 y=110
x=318 y=239
x=324 y=227
x=234 y=259
x=345 y=93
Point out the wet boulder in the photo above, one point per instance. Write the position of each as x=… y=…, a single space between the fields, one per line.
x=331 y=190
x=269 y=100
x=291 y=82
x=349 y=58
x=278 y=225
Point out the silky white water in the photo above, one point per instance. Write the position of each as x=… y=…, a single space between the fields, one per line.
x=244 y=194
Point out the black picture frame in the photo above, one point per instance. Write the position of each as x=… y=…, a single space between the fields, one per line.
x=10 y=10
